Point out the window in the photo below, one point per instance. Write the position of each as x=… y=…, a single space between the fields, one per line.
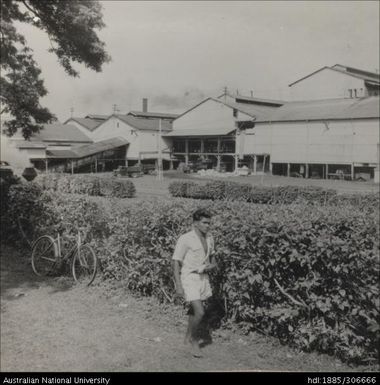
x=179 y=146
x=210 y=145
x=194 y=146
x=227 y=146
x=235 y=113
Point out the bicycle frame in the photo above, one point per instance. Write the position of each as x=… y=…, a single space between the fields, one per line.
x=72 y=250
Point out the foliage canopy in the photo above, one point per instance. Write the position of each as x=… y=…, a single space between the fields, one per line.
x=71 y=27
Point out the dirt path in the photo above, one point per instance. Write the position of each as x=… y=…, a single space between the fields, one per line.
x=51 y=325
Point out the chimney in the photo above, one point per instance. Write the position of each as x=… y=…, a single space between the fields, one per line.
x=145 y=105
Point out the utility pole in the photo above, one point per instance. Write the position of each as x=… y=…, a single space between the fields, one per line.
x=237 y=144
x=160 y=175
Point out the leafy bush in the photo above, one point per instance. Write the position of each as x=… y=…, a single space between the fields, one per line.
x=307 y=274
x=118 y=188
x=180 y=189
x=87 y=184
x=5 y=185
x=223 y=190
x=5 y=220
x=26 y=208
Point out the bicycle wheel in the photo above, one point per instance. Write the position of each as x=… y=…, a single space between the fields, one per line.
x=44 y=255
x=84 y=265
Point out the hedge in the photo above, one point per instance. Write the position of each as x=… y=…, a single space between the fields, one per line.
x=246 y=192
x=306 y=274
x=222 y=190
x=87 y=184
x=5 y=185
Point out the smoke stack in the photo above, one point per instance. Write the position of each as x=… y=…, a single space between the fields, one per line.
x=145 y=105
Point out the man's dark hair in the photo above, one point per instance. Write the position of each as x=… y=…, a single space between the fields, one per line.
x=201 y=213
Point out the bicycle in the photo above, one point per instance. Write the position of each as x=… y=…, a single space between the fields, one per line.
x=47 y=255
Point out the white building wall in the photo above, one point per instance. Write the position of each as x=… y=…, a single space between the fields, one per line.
x=326 y=84
x=314 y=142
x=149 y=145
x=140 y=141
x=209 y=115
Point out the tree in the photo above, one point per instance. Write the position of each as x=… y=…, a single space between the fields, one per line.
x=71 y=27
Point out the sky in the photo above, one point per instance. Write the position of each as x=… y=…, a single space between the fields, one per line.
x=177 y=53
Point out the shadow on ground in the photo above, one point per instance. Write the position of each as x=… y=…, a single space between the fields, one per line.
x=17 y=275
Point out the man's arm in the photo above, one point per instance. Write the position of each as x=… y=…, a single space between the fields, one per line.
x=178 y=257
x=178 y=284
x=212 y=265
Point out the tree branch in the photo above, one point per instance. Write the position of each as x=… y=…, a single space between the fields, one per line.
x=31 y=9
x=289 y=296
x=39 y=16
x=166 y=295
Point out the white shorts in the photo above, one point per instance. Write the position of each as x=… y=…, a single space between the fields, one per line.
x=196 y=287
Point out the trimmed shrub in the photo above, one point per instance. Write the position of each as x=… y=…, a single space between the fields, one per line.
x=83 y=184
x=237 y=191
x=216 y=190
x=48 y=181
x=222 y=190
x=180 y=189
x=118 y=188
x=87 y=184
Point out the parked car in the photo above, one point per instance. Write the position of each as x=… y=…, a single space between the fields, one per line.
x=132 y=171
x=200 y=165
x=149 y=169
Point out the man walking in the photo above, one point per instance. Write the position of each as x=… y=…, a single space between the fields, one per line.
x=192 y=259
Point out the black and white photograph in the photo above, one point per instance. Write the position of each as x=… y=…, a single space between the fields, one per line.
x=189 y=186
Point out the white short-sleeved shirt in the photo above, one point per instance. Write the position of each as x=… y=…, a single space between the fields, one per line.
x=190 y=252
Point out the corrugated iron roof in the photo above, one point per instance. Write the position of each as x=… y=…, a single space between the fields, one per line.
x=28 y=144
x=372 y=83
x=88 y=123
x=243 y=107
x=152 y=115
x=252 y=100
x=214 y=131
x=254 y=110
x=97 y=117
x=58 y=132
x=59 y=154
x=366 y=75
x=87 y=150
x=350 y=71
x=144 y=123
x=103 y=145
x=330 y=109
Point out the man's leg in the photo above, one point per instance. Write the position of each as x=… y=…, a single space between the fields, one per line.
x=194 y=322
x=205 y=326
x=188 y=331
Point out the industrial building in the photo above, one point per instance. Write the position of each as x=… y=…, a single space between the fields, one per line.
x=329 y=130
x=332 y=132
